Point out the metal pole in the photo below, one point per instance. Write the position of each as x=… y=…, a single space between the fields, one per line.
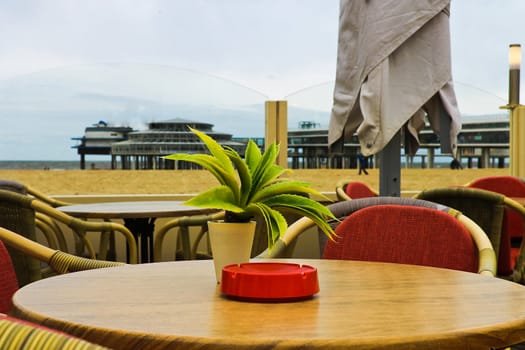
x=517 y=113
x=390 y=168
x=517 y=141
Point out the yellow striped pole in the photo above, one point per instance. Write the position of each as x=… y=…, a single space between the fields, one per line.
x=277 y=128
x=517 y=141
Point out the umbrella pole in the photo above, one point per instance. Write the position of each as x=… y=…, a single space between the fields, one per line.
x=390 y=168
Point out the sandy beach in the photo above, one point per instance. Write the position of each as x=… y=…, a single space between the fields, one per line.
x=87 y=182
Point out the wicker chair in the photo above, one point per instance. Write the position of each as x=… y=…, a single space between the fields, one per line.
x=18 y=187
x=401 y=230
x=58 y=261
x=18 y=212
x=513 y=221
x=487 y=209
x=18 y=334
x=182 y=226
x=49 y=227
x=348 y=189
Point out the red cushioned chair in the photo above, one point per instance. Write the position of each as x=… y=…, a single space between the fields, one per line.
x=58 y=261
x=513 y=221
x=349 y=189
x=19 y=334
x=8 y=281
x=401 y=230
x=406 y=235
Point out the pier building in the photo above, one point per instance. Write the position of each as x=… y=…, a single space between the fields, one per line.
x=98 y=138
x=483 y=142
x=145 y=149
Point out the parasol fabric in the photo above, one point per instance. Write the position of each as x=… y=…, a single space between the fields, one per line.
x=393 y=70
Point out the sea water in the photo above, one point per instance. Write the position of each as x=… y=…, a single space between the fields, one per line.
x=51 y=164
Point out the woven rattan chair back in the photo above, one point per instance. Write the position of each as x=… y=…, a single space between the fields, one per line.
x=18 y=187
x=509 y=186
x=484 y=207
x=12 y=204
x=17 y=215
x=513 y=227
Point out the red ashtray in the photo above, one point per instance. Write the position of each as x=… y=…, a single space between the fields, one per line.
x=269 y=281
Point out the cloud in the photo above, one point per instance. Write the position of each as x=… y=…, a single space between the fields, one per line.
x=64 y=65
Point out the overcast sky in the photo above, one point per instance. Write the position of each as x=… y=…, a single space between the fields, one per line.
x=232 y=53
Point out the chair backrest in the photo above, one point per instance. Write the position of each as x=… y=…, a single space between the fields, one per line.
x=404 y=234
x=10 y=185
x=17 y=215
x=46 y=225
x=8 y=280
x=464 y=246
x=486 y=208
x=509 y=186
x=349 y=189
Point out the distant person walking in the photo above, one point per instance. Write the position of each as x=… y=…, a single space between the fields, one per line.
x=362 y=164
x=455 y=164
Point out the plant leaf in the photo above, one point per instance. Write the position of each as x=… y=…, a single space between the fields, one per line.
x=207 y=162
x=215 y=149
x=252 y=155
x=245 y=176
x=310 y=208
x=276 y=223
x=266 y=169
x=284 y=187
x=220 y=197
x=218 y=163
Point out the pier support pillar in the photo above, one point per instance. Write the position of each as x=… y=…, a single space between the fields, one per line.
x=277 y=128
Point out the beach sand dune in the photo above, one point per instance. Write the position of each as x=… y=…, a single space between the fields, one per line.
x=88 y=182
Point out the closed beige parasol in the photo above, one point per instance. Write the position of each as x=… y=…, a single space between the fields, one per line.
x=393 y=70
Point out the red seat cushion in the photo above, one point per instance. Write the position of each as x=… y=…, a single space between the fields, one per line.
x=356 y=189
x=513 y=223
x=8 y=281
x=402 y=234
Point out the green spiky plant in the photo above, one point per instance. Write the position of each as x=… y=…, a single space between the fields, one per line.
x=251 y=186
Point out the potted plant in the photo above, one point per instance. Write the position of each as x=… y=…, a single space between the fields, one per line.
x=252 y=186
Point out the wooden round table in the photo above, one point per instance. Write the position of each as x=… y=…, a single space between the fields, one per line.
x=361 y=305
x=138 y=216
x=132 y=210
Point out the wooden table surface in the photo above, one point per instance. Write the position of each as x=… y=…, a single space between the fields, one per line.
x=361 y=305
x=132 y=210
x=139 y=217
